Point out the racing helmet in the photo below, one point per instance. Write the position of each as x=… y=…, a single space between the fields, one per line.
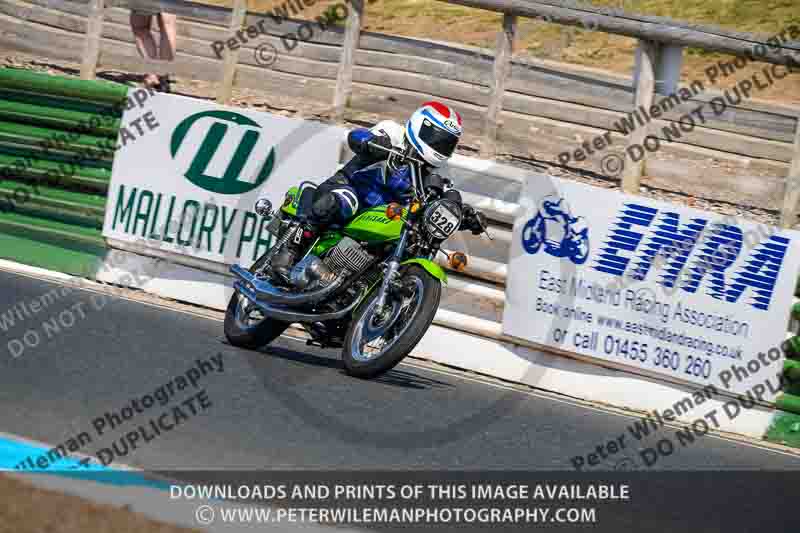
x=433 y=131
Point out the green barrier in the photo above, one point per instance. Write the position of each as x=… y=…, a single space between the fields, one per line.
x=94 y=90
x=796 y=311
x=58 y=102
x=78 y=121
x=50 y=251
x=56 y=213
x=53 y=170
x=56 y=204
x=788 y=402
x=792 y=347
x=47 y=138
x=28 y=148
x=57 y=140
x=34 y=182
x=70 y=232
x=785 y=429
x=95 y=202
x=791 y=370
x=51 y=244
x=85 y=157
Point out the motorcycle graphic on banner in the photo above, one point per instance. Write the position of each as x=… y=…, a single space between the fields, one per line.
x=651 y=285
x=555 y=231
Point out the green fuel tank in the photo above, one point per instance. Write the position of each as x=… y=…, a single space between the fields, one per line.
x=372 y=225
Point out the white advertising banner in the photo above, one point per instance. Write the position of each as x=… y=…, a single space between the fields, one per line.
x=694 y=295
x=189 y=185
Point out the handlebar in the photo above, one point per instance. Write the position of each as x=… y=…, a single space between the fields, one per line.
x=481 y=221
x=396 y=152
x=416 y=183
x=418 y=186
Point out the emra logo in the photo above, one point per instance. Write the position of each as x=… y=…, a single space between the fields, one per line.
x=698 y=255
x=217 y=126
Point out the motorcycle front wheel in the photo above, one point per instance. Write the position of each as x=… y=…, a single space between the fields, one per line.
x=377 y=342
x=246 y=327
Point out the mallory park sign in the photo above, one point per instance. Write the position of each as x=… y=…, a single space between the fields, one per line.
x=189 y=188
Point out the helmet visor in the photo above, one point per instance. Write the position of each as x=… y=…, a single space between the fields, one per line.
x=437 y=138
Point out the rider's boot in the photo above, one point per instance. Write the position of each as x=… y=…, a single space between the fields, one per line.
x=283 y=261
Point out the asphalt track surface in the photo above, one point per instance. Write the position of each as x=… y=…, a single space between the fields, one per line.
x=291 y=406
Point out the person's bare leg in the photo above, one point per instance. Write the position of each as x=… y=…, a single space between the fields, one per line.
x=145 y=44
x=169 y=36
x=167 y=46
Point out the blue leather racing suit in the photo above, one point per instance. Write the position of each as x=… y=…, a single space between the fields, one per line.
x=365 y=181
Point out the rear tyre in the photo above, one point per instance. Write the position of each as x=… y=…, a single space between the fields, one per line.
x=245 y=327
x=377 y=343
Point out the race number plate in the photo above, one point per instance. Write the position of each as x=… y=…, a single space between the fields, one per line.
x=444 y=220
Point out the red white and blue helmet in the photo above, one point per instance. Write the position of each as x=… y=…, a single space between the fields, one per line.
x=433 y=130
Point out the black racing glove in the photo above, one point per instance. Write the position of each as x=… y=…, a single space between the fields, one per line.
x=473 y=220
x=380 y=140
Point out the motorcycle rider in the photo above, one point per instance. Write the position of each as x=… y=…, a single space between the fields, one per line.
x=375 y=177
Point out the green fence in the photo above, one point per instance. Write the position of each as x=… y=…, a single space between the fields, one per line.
x=57 y=138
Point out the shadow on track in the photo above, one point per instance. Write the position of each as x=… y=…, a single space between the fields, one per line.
x=396 y=377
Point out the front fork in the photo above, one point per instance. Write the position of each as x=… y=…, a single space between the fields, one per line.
x=392 y=269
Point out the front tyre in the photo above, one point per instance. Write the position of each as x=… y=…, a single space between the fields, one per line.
x=377 y=342
x=246 y=327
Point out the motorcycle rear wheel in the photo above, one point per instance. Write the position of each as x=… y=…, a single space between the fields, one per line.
x=405 y=322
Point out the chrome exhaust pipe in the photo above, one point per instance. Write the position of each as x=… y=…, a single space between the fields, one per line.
x=289 y=315
x=263 y=290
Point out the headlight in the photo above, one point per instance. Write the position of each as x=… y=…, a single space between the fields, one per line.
x=442 y=218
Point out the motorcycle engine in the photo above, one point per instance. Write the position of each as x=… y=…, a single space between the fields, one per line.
x=343 y=260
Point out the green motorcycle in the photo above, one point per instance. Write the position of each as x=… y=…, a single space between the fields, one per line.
x=370 y=287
